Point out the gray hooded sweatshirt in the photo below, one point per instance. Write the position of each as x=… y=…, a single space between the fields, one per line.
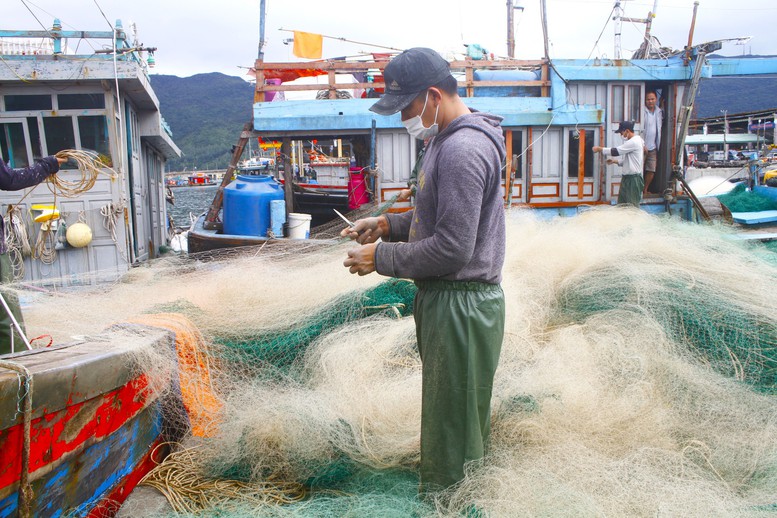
x=457 y=229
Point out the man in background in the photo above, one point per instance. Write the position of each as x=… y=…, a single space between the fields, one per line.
x=629 y=156
x=652 y=117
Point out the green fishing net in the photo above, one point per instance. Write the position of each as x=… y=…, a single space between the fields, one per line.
x=280 y=347
x=691 y=312
x=740 y=199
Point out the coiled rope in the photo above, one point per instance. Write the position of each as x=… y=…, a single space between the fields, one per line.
x=89 y=164
x=180 y=480
x=17 y=240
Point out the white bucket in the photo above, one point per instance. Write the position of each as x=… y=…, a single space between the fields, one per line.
x=299 y=225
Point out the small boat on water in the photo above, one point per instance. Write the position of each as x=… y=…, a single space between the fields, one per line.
x=201 y=180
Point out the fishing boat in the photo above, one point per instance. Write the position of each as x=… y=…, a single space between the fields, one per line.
x=321 y=182
x=80 y=426
x=52 y=102
x=201 y=180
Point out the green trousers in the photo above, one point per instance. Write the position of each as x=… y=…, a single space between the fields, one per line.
x=631 y=189
x=6 y=276
x=459 y=328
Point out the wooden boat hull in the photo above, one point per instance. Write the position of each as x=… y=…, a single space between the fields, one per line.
x=201 y=239
x=94 y=432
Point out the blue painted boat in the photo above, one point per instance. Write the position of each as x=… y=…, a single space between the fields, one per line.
x=79 y=427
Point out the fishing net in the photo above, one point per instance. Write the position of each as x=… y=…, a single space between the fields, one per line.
x=637 y=376
x=741 y=199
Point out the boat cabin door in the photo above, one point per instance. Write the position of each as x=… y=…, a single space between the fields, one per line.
x=625 y=103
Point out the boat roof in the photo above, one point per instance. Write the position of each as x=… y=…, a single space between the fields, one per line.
x=539 y=102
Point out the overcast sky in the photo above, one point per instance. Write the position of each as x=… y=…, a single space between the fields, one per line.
x=196 y=36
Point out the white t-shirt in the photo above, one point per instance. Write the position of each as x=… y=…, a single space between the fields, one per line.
x=630 y=155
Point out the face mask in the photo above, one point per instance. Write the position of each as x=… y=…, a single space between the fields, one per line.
x=415 y=126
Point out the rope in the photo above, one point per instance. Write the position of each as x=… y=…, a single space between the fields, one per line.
x=89 y=163
x=17 y=240
x=110 y=214
x=17 y=230
x=45 y=250
x=180 y=480
x=25 y=489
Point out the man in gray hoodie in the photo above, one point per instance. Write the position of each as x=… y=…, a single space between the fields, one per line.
x=452 y=245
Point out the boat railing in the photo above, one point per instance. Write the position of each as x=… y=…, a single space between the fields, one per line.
x=283 y=71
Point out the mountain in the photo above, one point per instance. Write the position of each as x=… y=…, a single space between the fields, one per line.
x=206 y=113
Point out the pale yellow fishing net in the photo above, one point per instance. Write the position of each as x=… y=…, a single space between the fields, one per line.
x=637 y=375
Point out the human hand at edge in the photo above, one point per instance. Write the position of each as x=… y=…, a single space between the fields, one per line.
x=367 y=230
x=361 y=260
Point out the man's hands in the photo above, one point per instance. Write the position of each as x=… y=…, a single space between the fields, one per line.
x=404 y=194
x=361 y=259
x=367 y=230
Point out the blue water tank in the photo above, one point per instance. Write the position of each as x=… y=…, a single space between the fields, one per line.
x=247 y=204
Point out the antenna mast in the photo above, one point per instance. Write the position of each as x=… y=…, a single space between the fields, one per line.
x=643 y=52
x=260 y=55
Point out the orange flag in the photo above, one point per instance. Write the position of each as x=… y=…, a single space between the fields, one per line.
x=307 y=45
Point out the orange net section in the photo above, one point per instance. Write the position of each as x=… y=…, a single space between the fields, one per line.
x=197 y=392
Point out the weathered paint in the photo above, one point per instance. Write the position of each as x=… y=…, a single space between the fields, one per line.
x=108 y=503
x=88 y=478
x=59 y=433
x=94 y=422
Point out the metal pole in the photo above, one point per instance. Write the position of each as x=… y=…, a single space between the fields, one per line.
x=15 y=325
x=288 y=175
x=725 y=134
x=510 y=33
x=617 y=18
x=261 y=30
x=543 y=11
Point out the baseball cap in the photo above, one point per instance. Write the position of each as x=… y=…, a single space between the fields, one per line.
x=625 y=125
x=407 y=75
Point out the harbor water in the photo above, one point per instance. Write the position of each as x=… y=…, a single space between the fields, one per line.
x=190 y=202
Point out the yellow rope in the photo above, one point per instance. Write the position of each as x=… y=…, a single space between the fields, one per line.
x=89 y=164
x=180 y=480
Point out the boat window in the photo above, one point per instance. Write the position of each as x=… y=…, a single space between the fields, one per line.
x=618 y=103
x=581 y=140
x=93 y=130
x=27 y=102
x=32 y=128
x=635 y=103
x=12 y=144
x=59 y=134
x=81 y=101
